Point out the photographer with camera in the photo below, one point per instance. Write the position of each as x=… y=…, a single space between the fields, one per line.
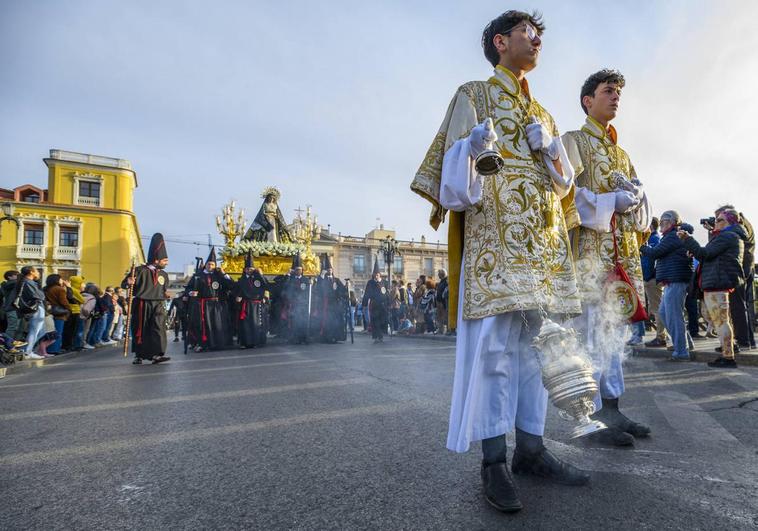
x=720 y=274
x=673 y=270
x=741 y=301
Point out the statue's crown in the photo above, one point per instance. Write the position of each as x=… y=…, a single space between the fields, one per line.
x=271 y=190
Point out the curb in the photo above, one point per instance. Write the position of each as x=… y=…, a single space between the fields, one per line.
x=429 y=337
x=21 y=367
x=701 y=356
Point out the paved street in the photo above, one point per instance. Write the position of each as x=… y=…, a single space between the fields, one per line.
x=348 y=437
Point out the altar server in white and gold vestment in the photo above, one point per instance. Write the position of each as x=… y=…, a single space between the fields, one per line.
x=509 y=256
x=610 y=200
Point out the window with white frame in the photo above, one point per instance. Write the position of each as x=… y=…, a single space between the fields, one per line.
x=68 y=237
x=34 y=234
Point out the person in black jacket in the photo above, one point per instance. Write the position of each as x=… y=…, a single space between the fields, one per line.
x=7 y=291
x=673 y=269
x=741 y=301
x=721 y=272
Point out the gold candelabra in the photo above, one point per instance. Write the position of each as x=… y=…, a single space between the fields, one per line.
x=229 y=224
x=306 y=229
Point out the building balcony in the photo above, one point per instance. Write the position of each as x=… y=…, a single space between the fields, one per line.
x=29 y=251
x=67 y=253
x=88 y=201
x=86 y=158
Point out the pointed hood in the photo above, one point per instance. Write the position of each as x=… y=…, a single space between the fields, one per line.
x=327 y=262
x=157 y=250
x=249 y=260
x=376 y=267
x=297 y=261
x=211 y=256
x=199 y=264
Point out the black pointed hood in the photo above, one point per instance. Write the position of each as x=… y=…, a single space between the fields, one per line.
x=297 y=261
x=327 y=262
x=249 y=260
x=157 y=250
x=212 y=256
x=376 y=267
x=199 y=264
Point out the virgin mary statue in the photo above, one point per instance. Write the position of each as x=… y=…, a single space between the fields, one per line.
x=269 y=224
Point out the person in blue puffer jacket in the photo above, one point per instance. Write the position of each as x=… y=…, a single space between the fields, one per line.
x=653 y=290
x=673 y=270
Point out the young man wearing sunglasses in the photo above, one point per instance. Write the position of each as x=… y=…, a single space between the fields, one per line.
x=509 y=255
x=614 y=215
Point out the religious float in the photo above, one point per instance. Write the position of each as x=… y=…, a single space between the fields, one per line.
x=272 y=243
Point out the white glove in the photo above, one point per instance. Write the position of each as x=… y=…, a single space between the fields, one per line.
x=539 y=139
x=635 y=188
x=482 y=137
x=625 y=201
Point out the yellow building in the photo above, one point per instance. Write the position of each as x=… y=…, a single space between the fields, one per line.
x=82 y=224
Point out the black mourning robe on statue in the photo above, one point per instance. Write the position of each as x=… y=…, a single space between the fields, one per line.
x=208 y=319
x=298 y=297
x=148 y=312
x=331 y=309
x=376 y=299
x=253 y=310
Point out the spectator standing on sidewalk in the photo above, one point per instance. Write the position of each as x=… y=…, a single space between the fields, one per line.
x=88 y=313
x=60 y=309
x=7 y=290
x=429 y=307
x=109 y=313
x=721 y=273
x=673 y=270
x=653 y=290
x=441 y=301
x=741 y=300
x=32 y=298
x=75 y=321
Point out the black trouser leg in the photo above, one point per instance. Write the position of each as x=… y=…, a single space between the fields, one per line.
x=750 y=302
x=494 y=449
x=690 y=304
x=738 y=312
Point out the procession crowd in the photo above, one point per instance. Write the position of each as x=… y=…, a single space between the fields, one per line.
x=57 y=316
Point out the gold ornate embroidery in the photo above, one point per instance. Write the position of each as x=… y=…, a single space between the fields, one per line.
x=594 y=250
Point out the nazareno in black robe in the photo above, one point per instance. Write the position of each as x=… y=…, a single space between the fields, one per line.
x=331 y=305
x=148 y=311
x=376 y=298
x=208 y=319
x=253 y=311
x=297 y=293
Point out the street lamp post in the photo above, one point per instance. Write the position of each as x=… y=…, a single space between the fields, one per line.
x=7 y=209
x=389 y=249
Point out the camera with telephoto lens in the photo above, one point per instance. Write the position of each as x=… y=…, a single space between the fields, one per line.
x=708 y=223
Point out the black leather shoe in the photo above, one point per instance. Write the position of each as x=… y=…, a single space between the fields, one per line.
x=632 y=428
x=545 y=465
x=615 y=419
x=724 y=363
x=137 y=361
x=499 y=489
x=655 y=343
x=611 y=436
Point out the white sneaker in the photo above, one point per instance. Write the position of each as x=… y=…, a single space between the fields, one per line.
x=33 y=356
x=109 y=342
x=87 y=346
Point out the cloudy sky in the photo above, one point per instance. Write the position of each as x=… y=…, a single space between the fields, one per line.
x=336 y=102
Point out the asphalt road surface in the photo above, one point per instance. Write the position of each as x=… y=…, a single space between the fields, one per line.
x=349 y=437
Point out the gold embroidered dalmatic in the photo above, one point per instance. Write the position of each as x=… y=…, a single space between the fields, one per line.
x=515 y=249
x=595 y=155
